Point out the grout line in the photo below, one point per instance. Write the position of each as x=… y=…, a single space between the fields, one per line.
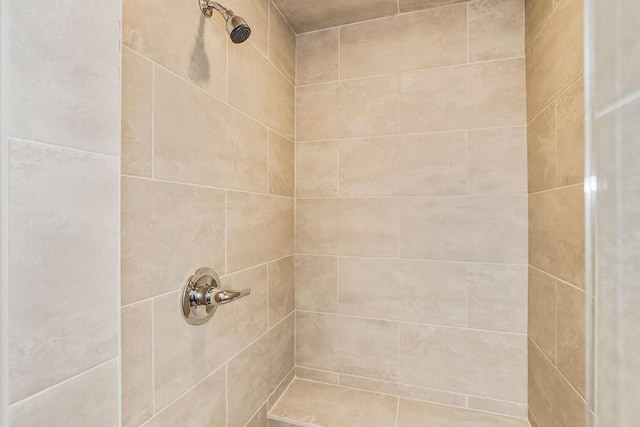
x=556 y=369
x=467 y=29
x=397 y=409
x=426 y=260
x=580 y=184
x=153 y=360
x=555 y=141
x=548 y=105
x=618 y=103
x=13 y=139
x=226 y=239
x=557 y=295
x=153 y=121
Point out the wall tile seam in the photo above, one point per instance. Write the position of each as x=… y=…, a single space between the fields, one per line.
x=557 y=279
x=216 y=97
x=544 y=25
x=222 y=365
x=381 y=18
x=210 y=187
x=400 y=74
x=555 y=98
x=412 y=323
x=63 y=382
x=558 y=371
x=44 y=144
x=558 y=188
x=452 y=261
x=620 y=103
x=533 y=416
x=427 y=196
x=293 y=377
x=265 y=403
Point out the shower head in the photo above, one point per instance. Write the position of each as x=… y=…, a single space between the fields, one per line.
x=238 y=29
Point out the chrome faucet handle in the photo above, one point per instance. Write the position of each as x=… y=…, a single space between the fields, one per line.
x=202 y=294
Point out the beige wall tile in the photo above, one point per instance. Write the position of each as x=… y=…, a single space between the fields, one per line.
x=282 y=44
x=542 y=151
x=490 y=94
x=256 y=372
x=316 y=283
x=496 y=29
x=363 y=347
x=316 y=375
x=282 y=387
x=197 y=52
x=209 y=395
x=259 y=229
x=281 y=289
x=136 y=358
x=403 y=390
x=571 y=335
x=406 y=165
x=551 y=399
x=556 y=58
x=411 y=5
x=63 y=86
x=317 y=56
x=362 y=227
x=97 y=389
x=556 y=238
x=571 y=140
x=415 y=291
x=543 y=303
x=308 y=15
x=199 y=140
x=260 y=90
x=281 y=165
x=412 y=413
x=62 y=250
x=497 y=297
x=208 y=346
x=497 y=161
x=137 y=96
x=536 y=14
x=260 y=419
x=317 y=169
x=482 y=363
x=477 y=228
x=353 y=108
x=168 y=230
x=425 y=39
x=518 y=410
x=330 y=405
x=256 y=13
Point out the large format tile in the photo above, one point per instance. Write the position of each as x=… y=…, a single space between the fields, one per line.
x=497 y=297
x=327 y=405
x=208 y=395
x=405 y=165
x=361 y=227
x=426 y=39
x=317 y=57
x=571 y=335
x=316 y=280
x=363 y=347
x=412 y=413
x=496 y=29
x=196 y=52
x=256 y=372
x=411 y=5
x=168 y=230
x=200 y=140
x=137 y=112
x=137 y=366
x=259 y=89
x=556 y=237
x=481 y=363
x=63 y=251
x=58 y=407
x=365 y=107
x=282 y=44
x=464 y=228
x=552 y=400
x=281 y=160
x=536 y=14
x=489 y=94
x=281 y=289
x=543 y=304
x=497 y=161
x=62 y=70
x=259 y=229
x=208 y=346
x=308 y=15
x=571 y=140
x=556 y=59
x=414 y=291
x=542 y=156
x=512 y=409
x=317 y=168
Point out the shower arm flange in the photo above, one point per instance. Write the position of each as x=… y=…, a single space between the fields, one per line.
x=207 y=7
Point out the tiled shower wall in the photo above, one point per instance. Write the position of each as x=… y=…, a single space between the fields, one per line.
x=555 y=112
x=411 y=206
x=208 y=180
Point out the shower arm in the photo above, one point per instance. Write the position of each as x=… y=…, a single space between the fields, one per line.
x=207 y=7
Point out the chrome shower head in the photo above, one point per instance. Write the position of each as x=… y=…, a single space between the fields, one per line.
x=238 y=29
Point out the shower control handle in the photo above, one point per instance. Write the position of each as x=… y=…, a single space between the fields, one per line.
x=202 y=294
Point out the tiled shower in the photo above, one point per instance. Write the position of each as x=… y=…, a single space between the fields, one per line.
x=400 y=183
